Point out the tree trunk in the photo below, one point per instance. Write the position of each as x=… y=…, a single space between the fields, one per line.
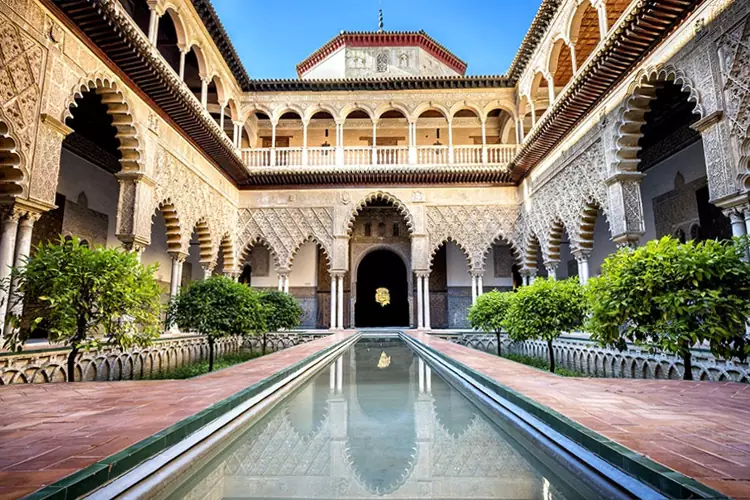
x=687 y=359
x=263 y=348
x=72 y=363
x=551 y=356
x=210 y=354
x=497 y=335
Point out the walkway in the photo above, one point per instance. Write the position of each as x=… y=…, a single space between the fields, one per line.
x=697 y=428
x=50 y=431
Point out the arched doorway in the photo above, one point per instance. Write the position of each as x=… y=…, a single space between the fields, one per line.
x=382 y=290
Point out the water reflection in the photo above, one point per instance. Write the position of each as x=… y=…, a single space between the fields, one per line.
x=377 y=422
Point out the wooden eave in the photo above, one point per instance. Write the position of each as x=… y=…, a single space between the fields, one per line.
x=378 y=174
x=108 y=29
x=635 y=37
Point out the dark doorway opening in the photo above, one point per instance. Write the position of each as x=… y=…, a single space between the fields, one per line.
x=382 y=269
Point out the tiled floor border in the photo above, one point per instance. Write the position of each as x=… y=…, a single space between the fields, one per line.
x=96 y=475
x=664 y=479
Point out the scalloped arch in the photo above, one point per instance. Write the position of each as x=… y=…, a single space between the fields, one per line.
x=631 y=116
x=318 y=243
x=11 y=161
x=205 y=243
x=172 y=222
x=119 y=109
x=499 y=238
x=226 y=248
x=444 y=242
x=380 y=196
x=260 y=240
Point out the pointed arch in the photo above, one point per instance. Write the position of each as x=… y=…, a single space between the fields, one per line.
x=380 y=196
x=632 y=114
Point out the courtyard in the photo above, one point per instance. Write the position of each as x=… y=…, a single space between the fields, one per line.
x=362 y=262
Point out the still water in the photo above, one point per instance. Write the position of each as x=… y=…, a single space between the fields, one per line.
x=375 y=422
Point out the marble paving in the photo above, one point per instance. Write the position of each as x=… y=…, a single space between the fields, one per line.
x=697 y=428
x=49 y=431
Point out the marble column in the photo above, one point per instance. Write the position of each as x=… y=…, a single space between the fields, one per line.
x=551 y=267
x=280 y=282
x=450 y=142
x=374 y=142
x=208 y=271
x=7 y=250
x=473 y=289
x=183 y=53
x=582 y=258
x=23 y=248
x=286 y=283
x=484 y=140
x=221 y=121
x=273 y=143
x=176 y=277
x=334 y=298
x=420 y=303
x=305 y=124
x=340 y=302
x=551 y=89
x=427 y=302
x=204 y=93
x=480 y=285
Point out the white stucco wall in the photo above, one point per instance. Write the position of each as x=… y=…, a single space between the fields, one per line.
x=659 y=179
x=102 y=189
x=603 y=245
x=458 y=270
x=333 y=66
x=305 y=266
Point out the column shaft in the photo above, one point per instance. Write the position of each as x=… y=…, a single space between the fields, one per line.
x=473 y=289
x=427 y=303
x=480 y=286
x=286 y=283
x=23 y=248
x=420 y=304
x=340 y=305
x=450 y=142
x=334 y=298
x=182 y=64
x=7 y=249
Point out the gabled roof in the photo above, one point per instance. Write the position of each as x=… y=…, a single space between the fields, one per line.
x=384 y=39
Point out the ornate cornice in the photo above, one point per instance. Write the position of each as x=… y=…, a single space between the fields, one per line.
x=408 y=83
x=383 y=39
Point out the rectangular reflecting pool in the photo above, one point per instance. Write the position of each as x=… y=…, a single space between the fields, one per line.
x=377 y=422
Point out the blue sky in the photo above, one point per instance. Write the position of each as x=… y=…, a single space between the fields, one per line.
x=272 y=36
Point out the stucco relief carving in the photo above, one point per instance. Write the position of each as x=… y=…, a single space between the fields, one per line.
x=285 y=230
x=734 y=55
x=21 y=71
x=472 y=228
x=567 y=197
x=194 y=200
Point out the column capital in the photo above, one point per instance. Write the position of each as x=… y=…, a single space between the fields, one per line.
x=581 y=254
x=737 y=212
x=178 y=256
x=337 y=273
x=527 y=271
x=422 y=274
x=477 y=273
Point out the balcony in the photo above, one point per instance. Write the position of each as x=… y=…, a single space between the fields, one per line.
x=499 y=155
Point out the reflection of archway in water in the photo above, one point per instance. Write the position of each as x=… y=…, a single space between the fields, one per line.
x=308 y=408
x=452 y=410
x=382 y=434
x=382 y=269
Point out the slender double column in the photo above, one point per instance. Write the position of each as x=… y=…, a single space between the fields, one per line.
x=337 y=300
x=423 y=300
x=283 y=282
x=582 y=258
x=178 y=258
x=477 y=286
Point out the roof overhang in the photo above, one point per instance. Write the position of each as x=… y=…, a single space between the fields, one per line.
x=108 y=31
x=635 y=36
x=378 y=174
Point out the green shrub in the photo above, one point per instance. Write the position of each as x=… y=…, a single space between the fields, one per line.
x=544 y=310
x=195 y=369
x=489 y=311
x=84 y=297
x=671 y=296
x=282 y=312
x=218 y=307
